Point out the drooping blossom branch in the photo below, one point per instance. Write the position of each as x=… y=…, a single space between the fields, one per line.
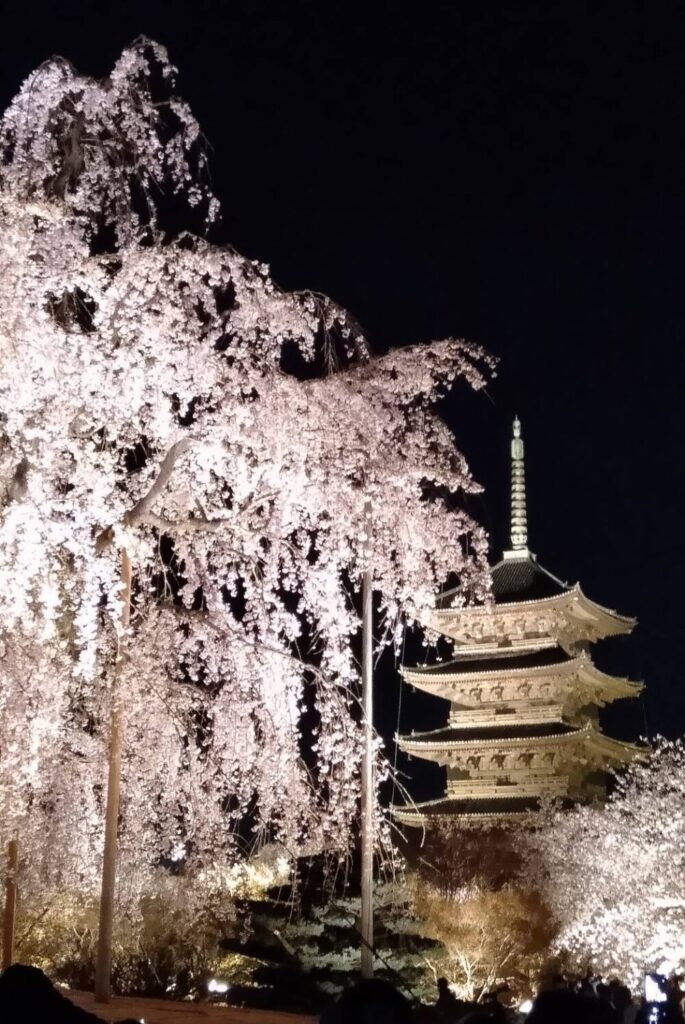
x=146 y=406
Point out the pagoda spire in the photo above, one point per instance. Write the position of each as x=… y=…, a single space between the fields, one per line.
x=519 y=521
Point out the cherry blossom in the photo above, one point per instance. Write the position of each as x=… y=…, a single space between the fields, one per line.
x=148 y=405
x=613 y=873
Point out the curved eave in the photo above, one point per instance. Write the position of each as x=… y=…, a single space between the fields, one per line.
x=578 y=604
x=607 y=748
x=620 y=623
x=420 y=745
x=582 y=669
x=617 y=686
x=422 y=678
x=615 y=750
x=415 y=817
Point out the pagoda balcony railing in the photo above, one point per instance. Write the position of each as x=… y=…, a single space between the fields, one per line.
x=516 y=714
x=535 y=785
x=521 y=646
x=507 y=776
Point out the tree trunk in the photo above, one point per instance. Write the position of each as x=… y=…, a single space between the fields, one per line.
x=103 y=969
x=10 y=904
x=368 y=794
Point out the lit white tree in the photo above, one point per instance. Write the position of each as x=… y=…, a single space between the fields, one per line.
x=146 y=414
x=614 y=874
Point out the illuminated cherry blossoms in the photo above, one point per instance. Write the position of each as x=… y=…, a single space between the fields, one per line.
x=614 y=874
x=146 y=405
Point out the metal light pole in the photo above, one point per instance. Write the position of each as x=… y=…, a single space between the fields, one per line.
x=10 y=904
x=103 y=968
x=368 y=788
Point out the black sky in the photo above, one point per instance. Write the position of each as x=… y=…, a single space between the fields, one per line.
x=509 y=172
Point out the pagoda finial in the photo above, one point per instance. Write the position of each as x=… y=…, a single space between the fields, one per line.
x=519 y=522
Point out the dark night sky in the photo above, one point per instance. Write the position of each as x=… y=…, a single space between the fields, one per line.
x=512 y=173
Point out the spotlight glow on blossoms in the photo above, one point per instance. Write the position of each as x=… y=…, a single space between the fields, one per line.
x=614 y=875
x=217 y=987
x=146 y=408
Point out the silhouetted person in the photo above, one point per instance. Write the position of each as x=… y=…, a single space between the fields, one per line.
x=27 y=996
x=447 y=1005
x=622 y=999
x=492 y=1003
x=674 y=998
x=604 y=997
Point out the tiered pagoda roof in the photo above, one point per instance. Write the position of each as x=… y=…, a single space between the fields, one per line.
x=525 y=669
x=523 y=689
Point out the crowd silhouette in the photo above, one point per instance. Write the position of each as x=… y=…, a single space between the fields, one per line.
x=569 y=999
x=26 y=994
x=561 y=1000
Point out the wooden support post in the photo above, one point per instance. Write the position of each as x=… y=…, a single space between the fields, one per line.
x=10 y=914
x=368 y=793
x=103 y=968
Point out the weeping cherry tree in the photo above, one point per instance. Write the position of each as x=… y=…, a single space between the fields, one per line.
x=165 y=408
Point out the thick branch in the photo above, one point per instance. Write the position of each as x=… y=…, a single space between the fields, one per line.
x=197 y=525
x=141 y=507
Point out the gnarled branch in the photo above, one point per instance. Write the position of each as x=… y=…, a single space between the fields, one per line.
x=165 y=470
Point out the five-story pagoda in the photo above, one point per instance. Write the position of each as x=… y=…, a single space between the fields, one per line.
x=524 y=692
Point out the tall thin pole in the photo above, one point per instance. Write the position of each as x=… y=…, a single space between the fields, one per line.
x=10 y=904
x=103 y=968
x=368 y=794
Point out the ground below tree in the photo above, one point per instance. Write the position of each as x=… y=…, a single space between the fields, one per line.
x=163 y=1011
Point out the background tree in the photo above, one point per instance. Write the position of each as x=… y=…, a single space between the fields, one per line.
x=613 y=874
x=487 y=937
x=160 y=397
x=470 y=895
